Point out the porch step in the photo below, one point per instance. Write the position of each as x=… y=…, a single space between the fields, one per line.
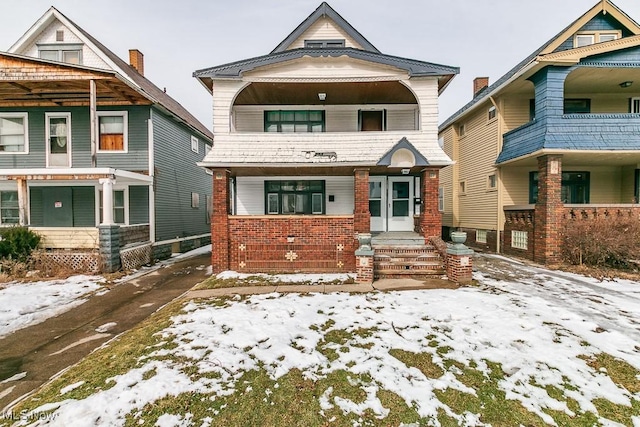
x=416 y=261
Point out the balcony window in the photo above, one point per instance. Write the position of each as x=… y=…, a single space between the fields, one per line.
x=575 y=187
x=290 y=121
x=372 y=120
x=294 y=197
x=13 y=132
x=577 y=106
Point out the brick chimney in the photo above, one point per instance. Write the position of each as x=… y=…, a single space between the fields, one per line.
x=136 y=60
x=479 y=83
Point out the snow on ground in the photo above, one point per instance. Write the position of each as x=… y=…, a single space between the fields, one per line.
x=534 y=322
x=290 y=278
x=25 y=304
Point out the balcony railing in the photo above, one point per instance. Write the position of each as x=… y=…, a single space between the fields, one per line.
x=573 y=131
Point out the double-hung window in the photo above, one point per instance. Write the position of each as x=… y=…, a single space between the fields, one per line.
x=112 y=131
x=13 y=132
x=119 y=213
x=9 y=211
x=288 y=121
x=294 y=197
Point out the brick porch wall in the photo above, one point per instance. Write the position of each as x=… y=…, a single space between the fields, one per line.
x=430 y=216
x=292 y=243
x=519 y=220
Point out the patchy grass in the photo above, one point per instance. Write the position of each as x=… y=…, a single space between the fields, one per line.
x=319 y=397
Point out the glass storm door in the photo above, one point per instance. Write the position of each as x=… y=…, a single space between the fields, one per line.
x=58 y=139
x=378 y=203
x=400 y=207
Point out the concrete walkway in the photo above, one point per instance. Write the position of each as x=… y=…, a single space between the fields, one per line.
x=378 y=285
x=43 y=350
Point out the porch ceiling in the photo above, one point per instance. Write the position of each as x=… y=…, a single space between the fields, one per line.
x=585 y=158
x=386 y=92
x=31 y=93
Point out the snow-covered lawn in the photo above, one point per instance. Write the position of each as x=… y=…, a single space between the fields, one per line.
x=25 y=304
x=534 y=337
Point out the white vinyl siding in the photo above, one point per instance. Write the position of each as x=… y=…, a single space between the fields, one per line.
x=324 y=29
x=338 y=118
x=250 y=194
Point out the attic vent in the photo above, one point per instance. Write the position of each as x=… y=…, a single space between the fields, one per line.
x=60 y=35
x=323 y=44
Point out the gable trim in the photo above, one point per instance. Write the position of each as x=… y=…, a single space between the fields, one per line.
x=325 y=10
x=404 y=143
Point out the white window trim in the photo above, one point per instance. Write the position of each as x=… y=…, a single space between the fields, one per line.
x=25 y=118
x=489 y=187
x=195 y=200
x=595 y=36
x=489 y=111
x=125 y=123
x=207 y=149
x=47 y=126
x=124 y=188
x=462 y=183
x=195 y=144
x=18 y=208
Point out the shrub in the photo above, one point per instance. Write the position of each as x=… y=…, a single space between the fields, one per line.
x=17 y=243
x=603 y=242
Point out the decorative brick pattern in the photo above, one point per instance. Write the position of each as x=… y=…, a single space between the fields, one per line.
x=362 y=217
x=314 y=240
x=220 y=221
x=430 y=216
x=549 y=211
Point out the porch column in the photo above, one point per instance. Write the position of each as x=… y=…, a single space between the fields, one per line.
x=22 y=201
x=92 y=122
x=430 y=216
x=220 y=221
x=107 y=200
x=361 y=215
x=548 y=213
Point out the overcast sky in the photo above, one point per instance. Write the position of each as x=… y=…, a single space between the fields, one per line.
x=177 y=37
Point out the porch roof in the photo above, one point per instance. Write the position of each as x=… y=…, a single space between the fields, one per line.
x=317 y=149
x=67 y=174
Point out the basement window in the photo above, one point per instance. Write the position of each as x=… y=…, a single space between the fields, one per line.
x=481 y=236
x=519 y=239
x=294 y=197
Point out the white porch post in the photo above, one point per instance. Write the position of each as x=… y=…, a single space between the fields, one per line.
x=22 y=201
x=92 y=122
x=107 y=200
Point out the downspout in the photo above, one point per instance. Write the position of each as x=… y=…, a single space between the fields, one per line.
x=152 y=186
x=499 y=223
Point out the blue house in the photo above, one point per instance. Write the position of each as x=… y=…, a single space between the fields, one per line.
x=556 y=139
x=93 y=156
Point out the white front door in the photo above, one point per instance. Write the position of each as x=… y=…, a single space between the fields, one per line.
x=58 y=134
x=378 y=203
x=400 y=203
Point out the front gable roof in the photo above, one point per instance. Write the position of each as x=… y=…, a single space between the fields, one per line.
x=143 y=85
x=403 y=144
x=539 y=58
x=324 y=10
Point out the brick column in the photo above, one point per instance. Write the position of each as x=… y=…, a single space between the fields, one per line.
x=548 y=214
x=220 y=221
x=430 y=216
x=364 y=260
x=361 y=215
x=459 y=261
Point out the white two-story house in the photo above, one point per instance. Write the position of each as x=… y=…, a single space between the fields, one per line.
x=318 y=141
